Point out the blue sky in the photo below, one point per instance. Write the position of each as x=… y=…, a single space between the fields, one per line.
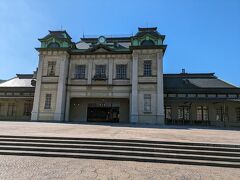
x=202 y=35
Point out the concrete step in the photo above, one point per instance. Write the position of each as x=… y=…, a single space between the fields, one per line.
x=131 y=144
x=120 y=141
x=125 y=153
x=118 y=147
x=121 y=158
x=223 y=155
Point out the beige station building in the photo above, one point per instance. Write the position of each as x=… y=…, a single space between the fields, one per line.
x=118 y=80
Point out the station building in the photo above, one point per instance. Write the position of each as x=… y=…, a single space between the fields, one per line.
x=116 y=79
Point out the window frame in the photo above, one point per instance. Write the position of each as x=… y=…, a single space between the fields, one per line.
x=201 y=113
x=12 y=109
x=147 y=68
x=185 y=114
x=48 y=101
x=101 y=71
x=147 y=104
x=168 y=115
x=237 y=114
x=121 y=71
x=51 y=70
x=80 y=71
x=27 y=109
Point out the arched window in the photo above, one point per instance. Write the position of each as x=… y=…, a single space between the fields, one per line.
x=147 y=43
x=53 y=45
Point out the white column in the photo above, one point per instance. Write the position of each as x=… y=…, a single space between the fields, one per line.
x=89 y=80
x=35 y=110
x=134 y=95
x=61 y=92
x=160 y=93
x=110 y=71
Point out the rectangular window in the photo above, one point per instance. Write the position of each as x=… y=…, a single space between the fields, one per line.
x=1 y=109
x=11 y=109
x=147 y=102
x=183 y=113
x=51 y=68
x=147 y=69
x=80 y=71
x=100 y=71
x=219 y=114
x=27 y=108
x=222 y=113
x=238 y=114
x=121 y=71
x=202 y=113
x=168 y=113
x=48 y=100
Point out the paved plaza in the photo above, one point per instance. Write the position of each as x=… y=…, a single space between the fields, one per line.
x=17 y=167
x=122 y=131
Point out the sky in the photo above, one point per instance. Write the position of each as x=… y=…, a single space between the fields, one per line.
x=202 y=35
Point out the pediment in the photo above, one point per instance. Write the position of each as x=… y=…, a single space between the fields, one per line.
x=100 y=48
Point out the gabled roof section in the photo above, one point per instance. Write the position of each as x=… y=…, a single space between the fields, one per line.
x=194 y=82
x=57 y=34
x=21 y=80
x=151 y=31
x=1 y=81
x=57 y=39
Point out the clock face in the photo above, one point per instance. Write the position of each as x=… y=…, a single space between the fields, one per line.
x=101 y=39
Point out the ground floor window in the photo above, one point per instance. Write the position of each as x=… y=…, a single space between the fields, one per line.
x=222 y=113
x=238 y=114
x=48 y=100
x=183 y=113
x=27 y=108
x=168 y=112
x=147 y=102
x=11 y=109
x=1 y=109
x=202 y=113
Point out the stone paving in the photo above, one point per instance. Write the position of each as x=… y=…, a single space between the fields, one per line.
x=122 y=131
x=21 y=168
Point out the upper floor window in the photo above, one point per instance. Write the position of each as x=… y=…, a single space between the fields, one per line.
x=202 y=113
x=48 y=99
x=53 y=45
x=51 y=68
x=147 y=69
x=100 y=71
x=80 y=71
x=121 y=71
x=147 y=102
x=147 y=43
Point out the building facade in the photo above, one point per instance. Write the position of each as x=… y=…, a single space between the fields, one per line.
x=119 y=79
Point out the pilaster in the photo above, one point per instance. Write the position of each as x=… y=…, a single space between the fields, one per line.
x=160 y=93
x=61 y=90
x=134 y=95
x=89 y=80
x=110 y=71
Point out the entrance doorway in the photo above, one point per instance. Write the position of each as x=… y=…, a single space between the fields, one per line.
x=103 y=114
